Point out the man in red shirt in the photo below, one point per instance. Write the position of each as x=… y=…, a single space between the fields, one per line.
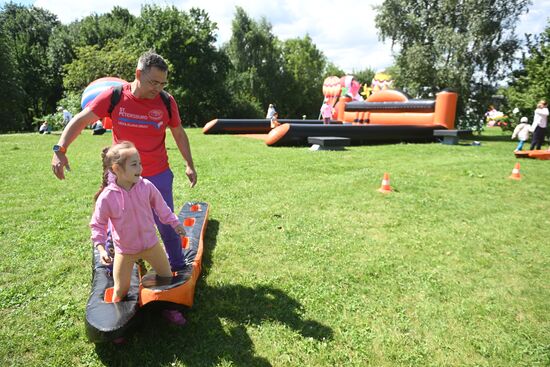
x=141 y=117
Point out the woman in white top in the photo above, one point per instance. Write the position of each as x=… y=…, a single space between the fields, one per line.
x=539 y=124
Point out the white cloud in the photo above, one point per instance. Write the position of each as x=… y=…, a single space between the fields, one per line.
x=345 y=32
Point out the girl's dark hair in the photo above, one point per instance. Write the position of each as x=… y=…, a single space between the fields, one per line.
x=109 y=156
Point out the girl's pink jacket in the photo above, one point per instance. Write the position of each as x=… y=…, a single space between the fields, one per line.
x=131 y=215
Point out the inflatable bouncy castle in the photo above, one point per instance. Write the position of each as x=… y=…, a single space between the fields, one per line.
x=386 y=116
x=95 y=88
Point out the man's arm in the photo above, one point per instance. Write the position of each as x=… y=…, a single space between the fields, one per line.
x=185 y=149
x=70 y=133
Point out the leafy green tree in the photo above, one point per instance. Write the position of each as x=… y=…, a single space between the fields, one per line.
x=27 y=36
x=256 y=60
x=303 y=66
x=92 y=62
x=466 y=45
x=531 y=82
x=332 y=70
x=364 y=76
x=11 y=113
x=99 y=29
x=198 y=69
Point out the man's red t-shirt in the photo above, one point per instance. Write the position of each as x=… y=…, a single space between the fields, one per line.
x=141 y=121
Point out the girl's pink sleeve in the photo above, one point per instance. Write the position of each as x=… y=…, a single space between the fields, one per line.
x=99 y=222
x=164 y=212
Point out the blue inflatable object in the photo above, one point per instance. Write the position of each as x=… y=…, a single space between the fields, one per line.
x=97 y=86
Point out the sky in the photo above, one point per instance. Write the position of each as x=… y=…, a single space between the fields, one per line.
x=347 y=36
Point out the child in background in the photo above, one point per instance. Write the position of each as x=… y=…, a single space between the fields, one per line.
x=326 y=111
x=126 y=200
x=275 y=120
x=270 y=111
x=522 y=132
x=44 y=128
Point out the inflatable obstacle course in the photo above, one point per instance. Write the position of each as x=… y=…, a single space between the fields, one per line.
x=534 y=154
x=247 y=126
x=107 y=321
x=386 y=116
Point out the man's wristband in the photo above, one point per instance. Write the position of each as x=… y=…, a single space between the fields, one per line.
x=59 y=148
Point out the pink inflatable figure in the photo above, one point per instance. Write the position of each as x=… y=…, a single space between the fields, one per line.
x=351 y=87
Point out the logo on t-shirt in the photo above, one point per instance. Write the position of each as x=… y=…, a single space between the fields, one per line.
x=140 y=121
x=155 y=114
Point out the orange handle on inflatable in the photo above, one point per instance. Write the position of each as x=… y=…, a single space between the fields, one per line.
x=341 y=107
x=445 y=109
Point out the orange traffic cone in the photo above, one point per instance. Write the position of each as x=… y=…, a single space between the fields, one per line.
x=515 y=173
x=385 y=187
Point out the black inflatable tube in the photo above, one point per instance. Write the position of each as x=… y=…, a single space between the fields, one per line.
x=109 y=321
x=297 y=134
x=247 y=126
x=409 y=106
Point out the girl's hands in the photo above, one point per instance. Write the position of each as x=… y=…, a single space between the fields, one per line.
x=104 y=255
x=180 y=230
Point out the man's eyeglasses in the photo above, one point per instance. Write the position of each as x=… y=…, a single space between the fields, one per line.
x=156 y=83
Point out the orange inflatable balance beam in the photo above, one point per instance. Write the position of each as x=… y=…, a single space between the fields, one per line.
x=180 y=289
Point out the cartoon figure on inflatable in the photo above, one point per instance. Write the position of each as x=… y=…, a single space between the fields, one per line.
x=335 y=88
x=380 y=81
x=107 y=321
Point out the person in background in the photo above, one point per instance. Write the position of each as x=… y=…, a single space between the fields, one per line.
x=44 y=128
x=67 y=116
x=538 y=127
x=521 y=132
x=326 y=111
x=270 y=111
x=275 y=120
x=97 y=128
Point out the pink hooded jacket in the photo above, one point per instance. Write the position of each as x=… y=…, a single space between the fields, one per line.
x=131 y=216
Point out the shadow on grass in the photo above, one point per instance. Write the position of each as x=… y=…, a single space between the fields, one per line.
x=493 y=137
x=217 y=325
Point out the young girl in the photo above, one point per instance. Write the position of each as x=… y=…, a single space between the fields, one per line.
x=274 y=120
x=126 y=200
x=326 y=111
x=522 y=133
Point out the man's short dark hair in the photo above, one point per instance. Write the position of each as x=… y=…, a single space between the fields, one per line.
x=150 y=59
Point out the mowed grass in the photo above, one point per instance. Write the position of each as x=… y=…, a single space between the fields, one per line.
x=305 y=263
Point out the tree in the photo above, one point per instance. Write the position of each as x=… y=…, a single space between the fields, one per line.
x=198 y=69
x=27 y=33
x=11 y=113
x=466 y=45
x=256 y=61
x=332 y=70
x=100 y=29
x=303 y=66
x=364 y=76
x=92 y=62
x=531 y=83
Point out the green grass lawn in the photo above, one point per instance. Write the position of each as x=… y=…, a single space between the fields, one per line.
x=305 y=263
